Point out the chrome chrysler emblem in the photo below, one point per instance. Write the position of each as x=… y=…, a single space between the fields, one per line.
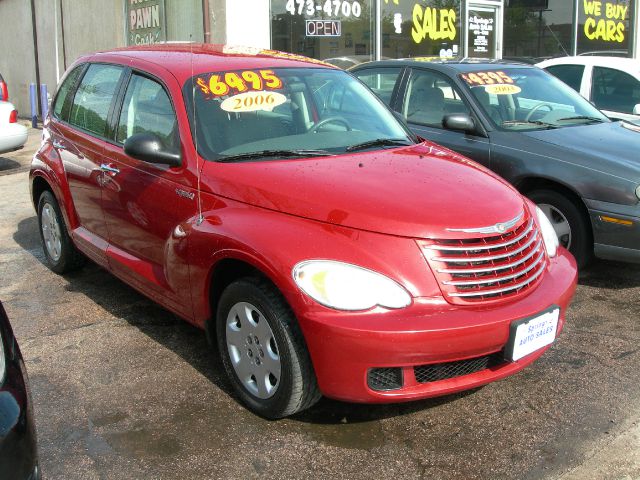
x=497 y=228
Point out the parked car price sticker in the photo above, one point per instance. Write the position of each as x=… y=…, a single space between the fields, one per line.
x=253 y=101
x=486 y=78
x=502 y=89
x=331 y=8
x=219 y=85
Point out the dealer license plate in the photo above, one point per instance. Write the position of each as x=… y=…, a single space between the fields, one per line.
x=531 y=334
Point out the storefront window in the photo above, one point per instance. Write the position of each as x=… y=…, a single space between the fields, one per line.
x=481 y=37
x=417 y=28
x=538 y=28
x=604 y=26
x=324 y=29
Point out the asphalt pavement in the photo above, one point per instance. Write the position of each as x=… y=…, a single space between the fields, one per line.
x=124 y=389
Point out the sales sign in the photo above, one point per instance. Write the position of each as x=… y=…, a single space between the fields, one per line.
x=145 y=21
x=323 y=28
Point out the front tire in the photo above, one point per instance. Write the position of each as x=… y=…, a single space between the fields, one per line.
x=570 y=224
x=263 y=350
x=59 y=251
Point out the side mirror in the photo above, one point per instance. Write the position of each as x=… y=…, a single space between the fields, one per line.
x=150 y=148
x=636 y=109
x=459 y=121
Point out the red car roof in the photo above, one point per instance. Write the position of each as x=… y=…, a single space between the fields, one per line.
x=183 y=58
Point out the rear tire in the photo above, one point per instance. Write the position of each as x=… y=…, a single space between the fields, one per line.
x=574 y=230
x=263 y=351
x=59 y=251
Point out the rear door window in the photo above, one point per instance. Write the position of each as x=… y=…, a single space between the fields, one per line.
x=614 y=90
x=382 y=81
x=59 y=110
x=147 y=109
x=569 y=74
x=94 y=97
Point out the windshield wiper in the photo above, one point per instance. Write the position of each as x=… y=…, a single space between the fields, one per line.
x=379 y=142
x=272 y=153
x=582 y=117
x=529 y=122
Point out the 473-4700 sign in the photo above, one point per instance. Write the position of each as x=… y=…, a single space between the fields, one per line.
x=331 y=8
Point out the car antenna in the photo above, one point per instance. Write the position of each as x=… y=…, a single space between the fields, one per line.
x=200 y=218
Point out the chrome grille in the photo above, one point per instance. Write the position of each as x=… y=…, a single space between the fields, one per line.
x=488 y=268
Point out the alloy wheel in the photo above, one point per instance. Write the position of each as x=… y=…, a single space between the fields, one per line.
x=51 y=232
x=559 y=222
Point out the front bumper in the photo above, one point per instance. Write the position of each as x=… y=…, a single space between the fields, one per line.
x=12 y=137
x=616 y=241
x=345 y=347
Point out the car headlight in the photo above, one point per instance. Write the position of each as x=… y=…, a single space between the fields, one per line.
x=549 y=235
x=638 y=192
x=348 y=287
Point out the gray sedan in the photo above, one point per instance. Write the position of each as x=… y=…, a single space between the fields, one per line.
x=539 y=134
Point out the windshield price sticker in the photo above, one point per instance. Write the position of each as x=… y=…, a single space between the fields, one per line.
x=220 y=85
x=331 y=8
x=502 y=89
x=253 y=101
x=486 y=78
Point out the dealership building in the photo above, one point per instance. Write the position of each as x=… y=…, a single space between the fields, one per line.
x=350 y=30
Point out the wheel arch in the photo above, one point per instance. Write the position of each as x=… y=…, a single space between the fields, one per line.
x=227 y=269
x=45 y=178
x=39 y=185
x=530 y=184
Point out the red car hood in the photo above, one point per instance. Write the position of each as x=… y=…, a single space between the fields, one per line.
x=416 y=191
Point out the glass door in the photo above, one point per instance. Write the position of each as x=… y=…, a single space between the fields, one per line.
x=484 y=29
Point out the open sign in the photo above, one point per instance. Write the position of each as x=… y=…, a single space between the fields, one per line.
x=324 y=28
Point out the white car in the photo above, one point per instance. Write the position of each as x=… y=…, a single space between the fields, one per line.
x=12 y=134
x=612 y=84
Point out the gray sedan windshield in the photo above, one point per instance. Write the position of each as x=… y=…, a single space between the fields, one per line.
x=529 y=98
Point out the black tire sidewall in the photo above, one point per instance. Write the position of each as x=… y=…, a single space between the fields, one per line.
x=67 y=249
x=581 y=235
x=246 y=291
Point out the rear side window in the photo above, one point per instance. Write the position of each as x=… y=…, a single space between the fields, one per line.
x=63 y=93
x=569 y=74
x=614 y=90
x=93 y=98
x=147 y=109
x=381 y=81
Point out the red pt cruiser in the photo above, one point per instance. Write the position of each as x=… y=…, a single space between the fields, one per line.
x=275 y=202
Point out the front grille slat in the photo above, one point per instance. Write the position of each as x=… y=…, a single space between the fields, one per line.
x=501 y=278
x=442 y=371
x=501 y=290
x=486 y=258
x=488 y=246
x=488 y=268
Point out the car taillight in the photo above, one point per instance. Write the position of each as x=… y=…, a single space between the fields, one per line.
x=4 y=92
x=13 y=116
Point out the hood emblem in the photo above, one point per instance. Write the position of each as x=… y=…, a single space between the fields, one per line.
x=497 y=228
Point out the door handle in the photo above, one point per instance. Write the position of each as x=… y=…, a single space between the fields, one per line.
x=109 y=169
x=58 y=145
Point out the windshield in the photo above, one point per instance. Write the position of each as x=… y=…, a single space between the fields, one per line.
x=287 y=113
x=529 y=98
